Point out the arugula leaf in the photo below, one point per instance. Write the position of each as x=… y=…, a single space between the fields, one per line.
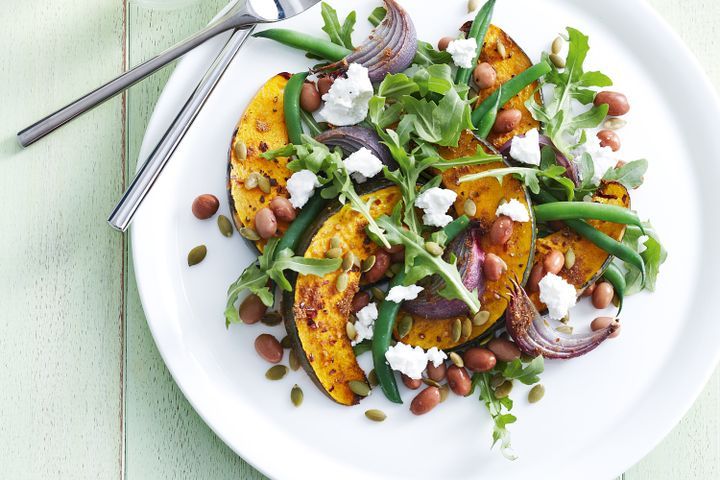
x=529 y=176
x=495 y=409
x=653 y=256
x=440 y=123
x=629 y=175
x=427 y=55
x=397 y=85
x=339 y=34
x=529 y=374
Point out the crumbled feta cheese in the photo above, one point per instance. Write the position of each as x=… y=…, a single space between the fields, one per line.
x=603 y=158
x=301 y=186
x=526 y=149
x=399 y=293
x=436 y=356
x=557 y=294
x=406 y=359
x=641 y=243
x=362 y=165
x=346 y=103
x=463 y=52
x=365 y=325
x=435 y=202
x=513 y=209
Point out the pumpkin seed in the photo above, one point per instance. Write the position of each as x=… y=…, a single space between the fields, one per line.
x=485 y=340
x=469 y=208
x=431 y=383
x=473 y=5
x=359 y=388
x=377 y=294
x=251 y=181
x=457 y=360
x=271 y=319
x=335 y=241
x=456 y=330
x=351 y=330
x=373 y=379
x=367 y=264
x=348 y=262
x=503 y=390
x=433 y=248
x=375 y=415
x=496 y=380
x=196 y=255
x=240 y=150
x=294 y=362
x=481 y=318
x=536 y=393
x=249 y=233
x=614 y=123
x=225 y=226
x=277 y=372
x=389 y=273
x=286 y=342
x=567 y=329
x=296 y=395
x=263 y=183
x=501 y=49
x=335 y=252
x=557 y=45
x=557 y=60
x=444 y=390
x=569 y=259
x=342 y=282
x=466 y=327
x=404 y=326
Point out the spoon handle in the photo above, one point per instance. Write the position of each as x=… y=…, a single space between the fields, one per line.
x=123 y=213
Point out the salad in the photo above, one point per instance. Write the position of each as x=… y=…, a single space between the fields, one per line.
x=438 y=209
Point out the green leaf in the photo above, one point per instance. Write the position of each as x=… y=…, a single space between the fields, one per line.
x=629 y=175
x=594 y=79
x=397 y=85
x=495 y=408
x=427 y=55
x=339 y=34
x=589 y=119
x=253 y=279
x=527 y=374
x=653 y=256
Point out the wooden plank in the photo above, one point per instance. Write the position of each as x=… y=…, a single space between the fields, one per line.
x=165 y=438
x=61 y=267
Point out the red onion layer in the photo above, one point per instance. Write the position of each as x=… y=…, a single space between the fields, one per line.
x=351 y=139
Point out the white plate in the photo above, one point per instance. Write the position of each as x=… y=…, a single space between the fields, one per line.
x=601 y=413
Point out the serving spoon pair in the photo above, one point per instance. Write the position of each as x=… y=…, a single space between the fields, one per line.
x=240 y=17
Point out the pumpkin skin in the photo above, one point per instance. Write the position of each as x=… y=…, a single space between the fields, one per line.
x=262 y=128
x=315 y=312
x=590 y=260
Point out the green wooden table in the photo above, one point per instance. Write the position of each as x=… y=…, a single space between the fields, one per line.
x=83 y=390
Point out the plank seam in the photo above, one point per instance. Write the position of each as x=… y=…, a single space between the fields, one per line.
x=124 y=250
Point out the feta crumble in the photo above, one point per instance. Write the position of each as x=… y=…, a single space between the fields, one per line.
x=526 y=149
x=399 y=293
x=346 y=103
x=641 y=243
x=363 y=164
x=463 y=52
x=603 y=158
x=513 y=209
x=557 y=294
x=365 y=324
x=436 y=356
x=301 y=186
x=435 y=202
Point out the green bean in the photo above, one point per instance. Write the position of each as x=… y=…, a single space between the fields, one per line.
x=478 y=30
x=385 y=323
x=613 y=275
x=291 y=106
x=586 y=210
x=512 y=88
x=317 y=46
x=307 y=215
x=488 y=121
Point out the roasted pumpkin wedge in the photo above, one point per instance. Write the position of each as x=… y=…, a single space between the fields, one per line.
x=261 y=128
x=508 y=59
x=316 y=311
x=487 y=194
x=590 y=260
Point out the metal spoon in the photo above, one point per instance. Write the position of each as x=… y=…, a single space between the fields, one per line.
x=241 y=15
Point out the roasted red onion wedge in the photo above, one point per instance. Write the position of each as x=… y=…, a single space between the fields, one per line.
x=534 y=336
x=352 y=139
x=570 y=168
x=470 y=258
x=390 y=48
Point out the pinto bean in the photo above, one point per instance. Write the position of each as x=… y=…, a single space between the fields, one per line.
x=501 y=230
x=507 y=120
x=504 y=350
x=478 y=359
x=377 y=272
x=265 y=223
x=283 y=209
x=411 y=383
x=603 y=322
x=252 y=309
x=205 y=206
x=494 y=267
x=444 y=42
x=459 y=380
x=309 y=97
x=324 y=85
x=603 y=295
x=608 y=138
x=436 y=373
x=554 y=262
x=484 y=76
x=425 y=401
x=536 y=274
x=617 y=102
x=397 y=253
x=359 y=301
x=269 y=348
